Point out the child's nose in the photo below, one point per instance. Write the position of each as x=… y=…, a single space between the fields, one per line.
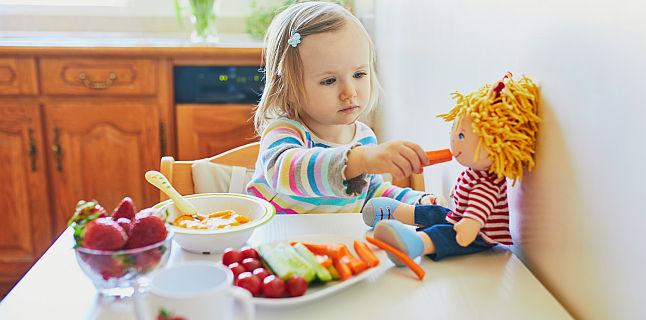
x=348 y=91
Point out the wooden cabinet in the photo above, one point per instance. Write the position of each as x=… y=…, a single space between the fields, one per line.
x=100 y=150
x=87 y=123
x=17 y=76
x=24 y=202
x=206 y=130
x=98 y=77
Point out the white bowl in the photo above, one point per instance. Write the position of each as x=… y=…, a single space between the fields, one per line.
x=257 y=210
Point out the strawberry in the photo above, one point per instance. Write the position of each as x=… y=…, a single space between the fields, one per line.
x=106 y=265
x=146 y=212
x=148 y=260
x=146 y=230
x=87 y=211
x=125 y=209
x=126 y=224
x=167 y=315
x=103 y=234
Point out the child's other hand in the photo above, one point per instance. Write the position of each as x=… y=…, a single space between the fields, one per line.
x=467 y=231
x=399 y=158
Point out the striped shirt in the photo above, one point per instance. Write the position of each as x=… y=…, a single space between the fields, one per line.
x=482 y=196
x=300 y=173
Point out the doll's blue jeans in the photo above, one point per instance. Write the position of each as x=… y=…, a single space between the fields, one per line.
x=431 y=219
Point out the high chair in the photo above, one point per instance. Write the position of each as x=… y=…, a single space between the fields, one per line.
x=180 y=174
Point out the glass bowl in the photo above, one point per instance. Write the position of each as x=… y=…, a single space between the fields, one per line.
x=115 y=273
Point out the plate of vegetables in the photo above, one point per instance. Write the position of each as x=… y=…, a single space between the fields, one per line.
x=305 y=268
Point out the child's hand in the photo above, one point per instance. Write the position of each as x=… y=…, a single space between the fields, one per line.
x=467 y=231
x=399 y=158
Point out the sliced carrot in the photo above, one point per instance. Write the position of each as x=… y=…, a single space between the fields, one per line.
x=439 y=156
x=343 y=269
x=335 y=251
x=324 y=260
x=321 y=249
x=400 y=255
x=365 y=254
x=355 y=264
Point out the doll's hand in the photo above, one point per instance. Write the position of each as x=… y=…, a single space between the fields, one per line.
x=433 y=199
x=399 y=158
x=467 y=231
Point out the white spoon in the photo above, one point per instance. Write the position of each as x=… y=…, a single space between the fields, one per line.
x=158 y=180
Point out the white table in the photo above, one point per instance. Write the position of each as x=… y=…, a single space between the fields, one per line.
x=489 y=285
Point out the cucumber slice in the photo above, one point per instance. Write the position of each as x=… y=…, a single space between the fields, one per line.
x=285 y=262
x=333 y=272
x=322 y=273
x=276 y=262
x=296 y=262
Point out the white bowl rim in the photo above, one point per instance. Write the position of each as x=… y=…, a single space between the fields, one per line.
x=269 y=212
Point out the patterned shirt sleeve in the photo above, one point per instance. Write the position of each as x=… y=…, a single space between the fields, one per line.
x=380 y=188
x=294 y=167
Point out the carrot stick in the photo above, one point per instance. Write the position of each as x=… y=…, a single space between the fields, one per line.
x=400 y=255
x=343 y=269
x=335 y=251
x=438 y=156
x=324 y=260
x=355 y=264
x=365 y=254
x=320 y=249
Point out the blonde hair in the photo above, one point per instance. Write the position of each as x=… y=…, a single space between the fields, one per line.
x=284 y=88
x=505 y=117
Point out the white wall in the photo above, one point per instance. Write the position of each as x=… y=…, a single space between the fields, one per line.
x=577 y=220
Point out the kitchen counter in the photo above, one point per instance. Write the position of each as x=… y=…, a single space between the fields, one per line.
x=155 y=44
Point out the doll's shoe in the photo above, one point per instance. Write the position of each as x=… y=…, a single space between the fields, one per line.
x=377 y=209
x=401 y=237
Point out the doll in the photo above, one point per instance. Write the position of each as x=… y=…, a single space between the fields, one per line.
x=493 y=136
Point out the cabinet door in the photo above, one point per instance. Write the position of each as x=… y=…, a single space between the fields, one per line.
x=206 y=130
x=101 y=150
x=24 y=199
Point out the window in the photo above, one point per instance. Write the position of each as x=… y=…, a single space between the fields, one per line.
x=102 y=3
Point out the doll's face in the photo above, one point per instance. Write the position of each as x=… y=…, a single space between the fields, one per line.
x=464 y=143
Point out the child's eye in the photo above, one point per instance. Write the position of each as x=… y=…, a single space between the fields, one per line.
x=328 y=82
x=359 y=75
x=460 y=136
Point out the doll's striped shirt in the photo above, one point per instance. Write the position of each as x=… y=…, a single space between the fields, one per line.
x=300 y=173
x=482 y=196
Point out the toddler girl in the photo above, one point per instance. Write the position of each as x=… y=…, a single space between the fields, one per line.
x=315 y=156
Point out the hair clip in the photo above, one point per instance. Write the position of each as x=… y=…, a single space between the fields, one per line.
x=500 y=84
x=294 y=38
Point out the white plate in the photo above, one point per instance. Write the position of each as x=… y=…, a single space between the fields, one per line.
x=321 y=290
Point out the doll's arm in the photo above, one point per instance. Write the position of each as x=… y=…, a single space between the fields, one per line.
x=479 y=207
x=433 y=199
x=467 y=230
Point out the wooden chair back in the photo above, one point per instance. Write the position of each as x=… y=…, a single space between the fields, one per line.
x=180 y=173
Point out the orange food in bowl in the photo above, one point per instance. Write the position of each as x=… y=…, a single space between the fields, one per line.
x=213 y=221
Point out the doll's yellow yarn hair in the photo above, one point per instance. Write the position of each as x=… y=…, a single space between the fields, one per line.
x=506 y=120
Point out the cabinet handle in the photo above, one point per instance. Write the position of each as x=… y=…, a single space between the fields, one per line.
x=97 y=84
x=162 y=138
x=58 y=151
x=32 y=150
